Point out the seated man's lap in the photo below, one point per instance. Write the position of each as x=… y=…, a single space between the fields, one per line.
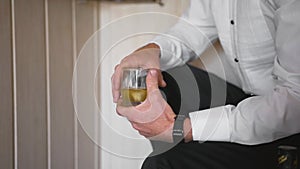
x=211 y=155
x=220 y=155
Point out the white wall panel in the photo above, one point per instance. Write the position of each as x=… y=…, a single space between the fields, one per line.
x=87 y=23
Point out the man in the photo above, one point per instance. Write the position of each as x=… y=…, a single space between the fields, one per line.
x=261 y=42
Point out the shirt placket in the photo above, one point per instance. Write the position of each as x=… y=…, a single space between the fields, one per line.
x=234 y=43
x=232 y=13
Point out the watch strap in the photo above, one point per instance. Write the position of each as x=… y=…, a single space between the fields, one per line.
x=178 y=134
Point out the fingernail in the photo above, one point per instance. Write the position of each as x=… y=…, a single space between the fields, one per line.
x=153 y=72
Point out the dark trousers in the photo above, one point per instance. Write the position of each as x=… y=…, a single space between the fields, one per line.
x=210 y=155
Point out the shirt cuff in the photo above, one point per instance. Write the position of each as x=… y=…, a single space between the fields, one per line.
x=211 y=124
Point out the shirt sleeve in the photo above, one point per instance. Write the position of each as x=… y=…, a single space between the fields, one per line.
x=262 y=119
x=193 y=33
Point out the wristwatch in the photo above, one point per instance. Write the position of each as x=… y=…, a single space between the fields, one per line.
x=178 y=134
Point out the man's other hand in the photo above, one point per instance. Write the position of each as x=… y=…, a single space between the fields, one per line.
x=153 y=118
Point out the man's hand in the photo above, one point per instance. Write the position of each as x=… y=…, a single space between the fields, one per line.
x=146 y=57
x=153 y=118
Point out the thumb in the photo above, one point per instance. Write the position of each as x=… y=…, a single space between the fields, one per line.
x=152 y=80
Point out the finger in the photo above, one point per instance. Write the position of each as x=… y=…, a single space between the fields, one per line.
x=123 y=112
x=146 y=112
x=115 y=90
x=118 y=109
x=147 y=135
x=161 y=81
x=152 y=108
x=116 y=95
x=116 y=67
x=152 y=80
x=116 y=83
x=140 y=127
x=135 y=126
x=130 y=113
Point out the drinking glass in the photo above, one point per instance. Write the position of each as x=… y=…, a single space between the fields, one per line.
x=133 y=88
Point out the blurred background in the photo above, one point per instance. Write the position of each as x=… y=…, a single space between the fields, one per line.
x=40 y=41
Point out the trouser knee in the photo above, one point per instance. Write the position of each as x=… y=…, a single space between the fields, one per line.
x=155 y=162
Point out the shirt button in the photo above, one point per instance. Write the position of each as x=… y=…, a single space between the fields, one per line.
x=236 y=60
x=232 y=22
x=275 y=77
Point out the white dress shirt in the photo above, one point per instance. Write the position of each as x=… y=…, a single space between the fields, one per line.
x=261 y=40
